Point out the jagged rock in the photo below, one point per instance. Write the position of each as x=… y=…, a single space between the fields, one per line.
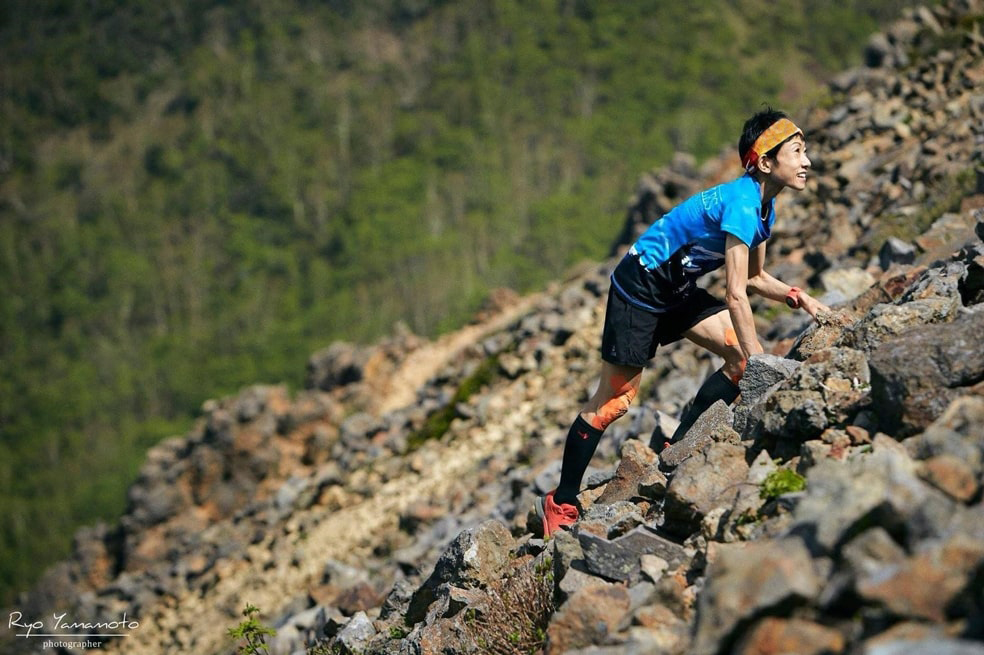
x=927 y=584
x=664 y=631
x=746 y=579
x=952 y=476
x=915 y=377
x=653 y=484
x=475 y=557
x=577 y=579
x=794 y=415
x=439 y=637
x=589 y=615
x=762 y=373
x=867 y=554
x=748 y=500
x=886 y=322
x=714 y=423
x=971 y=286
x=827 y=390
x=299 y=630
x=353 y=638
x=636 y=464
x=956 y=436
x=882 y=489
x=700 y=483
x=937 y=282
x=653 y=566
x=826 y=332
x=870 y=552
x=618 y=559
x=762 y=376
x=610 y=519
x=566 y=551
x=398 y=599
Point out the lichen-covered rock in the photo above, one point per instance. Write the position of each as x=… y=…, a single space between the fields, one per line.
x=827 y=390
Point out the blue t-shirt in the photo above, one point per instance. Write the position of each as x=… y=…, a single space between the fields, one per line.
x=689 y=241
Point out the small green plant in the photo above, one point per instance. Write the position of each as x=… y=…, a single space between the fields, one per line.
x=747 y=517
x=252 y=632
x=781 y=481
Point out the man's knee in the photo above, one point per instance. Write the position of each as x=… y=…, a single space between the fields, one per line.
x=624 y=391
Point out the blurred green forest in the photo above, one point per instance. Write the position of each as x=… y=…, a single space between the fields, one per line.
x=194 y=196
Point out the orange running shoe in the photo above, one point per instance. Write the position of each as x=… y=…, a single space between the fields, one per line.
x=554 y=515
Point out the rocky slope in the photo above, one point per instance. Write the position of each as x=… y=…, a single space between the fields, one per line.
x=384 y=509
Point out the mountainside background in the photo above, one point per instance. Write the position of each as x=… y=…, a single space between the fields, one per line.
x=836 y=509
x=195 y=196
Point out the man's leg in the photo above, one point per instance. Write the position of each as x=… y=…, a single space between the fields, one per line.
x=616 y=390
x=716 y=334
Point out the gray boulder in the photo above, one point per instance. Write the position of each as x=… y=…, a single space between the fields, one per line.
x=915 y=377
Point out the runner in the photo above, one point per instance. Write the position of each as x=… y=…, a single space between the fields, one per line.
x=654 y=298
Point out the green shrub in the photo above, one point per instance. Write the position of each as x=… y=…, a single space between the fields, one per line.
x=252 y=632
x=782 y=481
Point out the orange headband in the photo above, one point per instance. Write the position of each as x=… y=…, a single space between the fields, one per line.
x=775 y=134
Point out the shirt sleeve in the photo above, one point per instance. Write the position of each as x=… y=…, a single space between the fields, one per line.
x=741 y=220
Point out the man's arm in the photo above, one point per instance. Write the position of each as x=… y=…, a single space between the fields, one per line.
x=763 y=284
x=736 y=262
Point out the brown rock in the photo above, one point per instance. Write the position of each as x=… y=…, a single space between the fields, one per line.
x=775 y=636
x=858 y=435
x=665 y=630
x=588 y=617
x=925 y=584
x=746 y=579
x=636 y=463
x=825 y=333
x=952 y=476
x=707 y=480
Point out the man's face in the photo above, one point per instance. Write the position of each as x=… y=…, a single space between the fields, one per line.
x=791 y=164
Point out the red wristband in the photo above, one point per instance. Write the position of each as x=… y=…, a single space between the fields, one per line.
x=792 y=298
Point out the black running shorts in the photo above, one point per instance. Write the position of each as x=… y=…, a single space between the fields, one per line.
x=632 y=334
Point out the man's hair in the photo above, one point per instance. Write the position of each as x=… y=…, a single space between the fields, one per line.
x=754 y=127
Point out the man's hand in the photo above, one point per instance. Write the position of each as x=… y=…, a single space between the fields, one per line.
x=811 y=305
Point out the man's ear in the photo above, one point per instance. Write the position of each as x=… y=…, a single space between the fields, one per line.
x=764 y=164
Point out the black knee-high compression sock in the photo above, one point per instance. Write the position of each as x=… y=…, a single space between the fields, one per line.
x=582 y=440
x=717 y=387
